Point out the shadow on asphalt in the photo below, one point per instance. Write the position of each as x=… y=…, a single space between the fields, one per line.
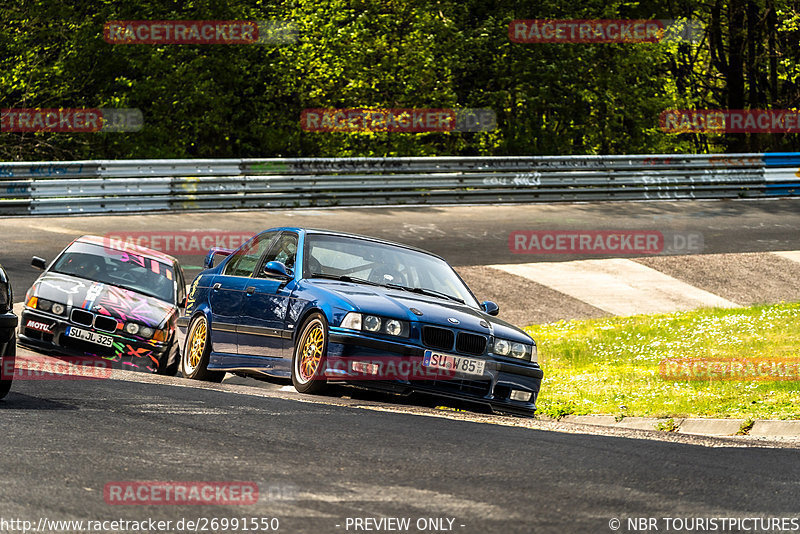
x=20 y=401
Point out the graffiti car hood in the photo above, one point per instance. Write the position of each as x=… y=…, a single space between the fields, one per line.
x=105 y=299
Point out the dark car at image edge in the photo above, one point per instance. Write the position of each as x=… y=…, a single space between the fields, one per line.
x=8 y=342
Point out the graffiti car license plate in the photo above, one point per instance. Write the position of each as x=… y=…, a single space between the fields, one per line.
x=91 y=337
x=449 y=362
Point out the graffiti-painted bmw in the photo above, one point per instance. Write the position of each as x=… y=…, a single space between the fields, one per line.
x=108 y=299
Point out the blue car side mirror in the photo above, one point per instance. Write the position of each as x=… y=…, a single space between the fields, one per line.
x=490 y=307
x=276 y=268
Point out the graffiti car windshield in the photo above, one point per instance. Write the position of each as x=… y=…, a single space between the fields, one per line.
x=119 y=268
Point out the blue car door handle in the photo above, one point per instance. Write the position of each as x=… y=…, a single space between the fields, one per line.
x=250 y=290
x=216 y=286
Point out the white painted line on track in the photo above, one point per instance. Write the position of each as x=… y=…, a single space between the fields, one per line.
x=618 y=286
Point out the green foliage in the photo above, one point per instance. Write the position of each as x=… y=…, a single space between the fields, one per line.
x=667 y=426
x=246 y=100
x=620 y=365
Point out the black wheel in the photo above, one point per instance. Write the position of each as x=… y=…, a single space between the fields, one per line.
x=170 y=361
x=7 y=367
x=194 y=361
x=308 y=361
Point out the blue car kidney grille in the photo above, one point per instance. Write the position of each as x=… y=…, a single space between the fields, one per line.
x=437 y=338
x=470 y=343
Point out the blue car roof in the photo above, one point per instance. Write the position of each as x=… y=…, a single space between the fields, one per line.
x=347 y=234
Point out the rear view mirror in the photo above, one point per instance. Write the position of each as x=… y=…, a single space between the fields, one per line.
x=39 y=263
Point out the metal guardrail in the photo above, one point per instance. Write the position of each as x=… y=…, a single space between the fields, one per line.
x=107 y=186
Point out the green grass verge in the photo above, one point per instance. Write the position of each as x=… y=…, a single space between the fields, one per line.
x=612 y=366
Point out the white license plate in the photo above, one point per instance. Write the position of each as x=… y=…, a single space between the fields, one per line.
x=91 y=337
x=449 y=362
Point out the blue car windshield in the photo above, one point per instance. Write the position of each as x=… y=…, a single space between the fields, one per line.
x=384 y=264
x=115 y=267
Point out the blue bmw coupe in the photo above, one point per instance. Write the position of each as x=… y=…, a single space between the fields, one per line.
x=323 y=307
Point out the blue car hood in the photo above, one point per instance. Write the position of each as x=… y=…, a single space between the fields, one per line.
x=397 y=303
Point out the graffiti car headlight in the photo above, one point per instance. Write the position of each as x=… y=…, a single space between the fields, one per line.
x=146 y=331
x=132 y=328
x=45 y=305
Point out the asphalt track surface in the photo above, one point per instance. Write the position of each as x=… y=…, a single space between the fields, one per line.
x=317 y=465
x=319 y=461
x=463 y=235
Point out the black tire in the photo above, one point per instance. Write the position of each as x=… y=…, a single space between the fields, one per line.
x=170 y=361
x=307 y=377
x=194 y=360
x=7 y=367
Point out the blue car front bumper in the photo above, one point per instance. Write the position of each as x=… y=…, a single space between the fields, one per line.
x=398 y=367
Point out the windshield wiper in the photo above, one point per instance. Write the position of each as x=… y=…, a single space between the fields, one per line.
x=425 y=291
x=345 y=278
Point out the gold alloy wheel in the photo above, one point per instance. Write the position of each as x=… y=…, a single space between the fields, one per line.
x=198 y=345
x=311 y=351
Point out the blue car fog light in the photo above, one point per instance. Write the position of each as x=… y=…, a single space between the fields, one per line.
x=519 y=395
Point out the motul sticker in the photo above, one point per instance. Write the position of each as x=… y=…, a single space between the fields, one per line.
x=41 y=327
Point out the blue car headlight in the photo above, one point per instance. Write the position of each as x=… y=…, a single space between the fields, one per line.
x=376 y=324
x=515 y=349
